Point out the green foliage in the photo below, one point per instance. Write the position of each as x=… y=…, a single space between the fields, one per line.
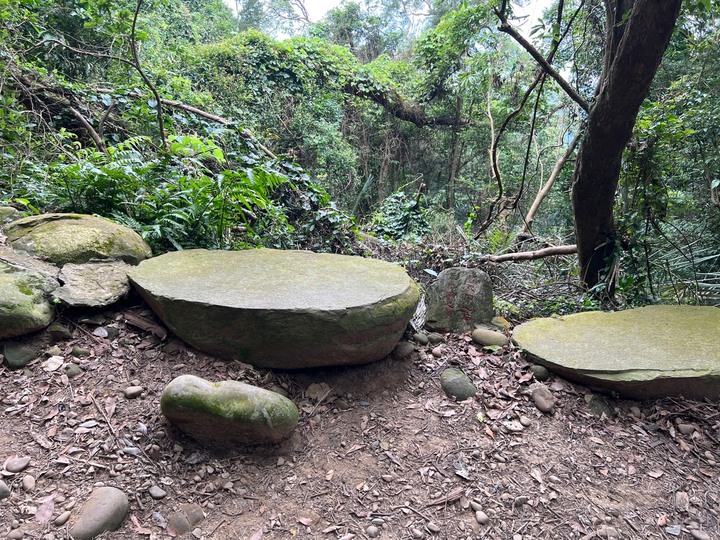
x=400 y=217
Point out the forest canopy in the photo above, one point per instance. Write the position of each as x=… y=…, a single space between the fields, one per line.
x=465 y=125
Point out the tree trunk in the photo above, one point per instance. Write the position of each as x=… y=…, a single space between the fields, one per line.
x=635 y=47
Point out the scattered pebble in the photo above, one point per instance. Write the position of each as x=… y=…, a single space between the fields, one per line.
x=131 y=392
x=481 y=517
x=17 y=464
x=437 y=352
x=540 y=373
x=417 y=533
x=15 y=534
x=513 y=426
x=483 y=336
x=476 y=506
x=62 y=518
x=436 y=338
x=156 y=492
x=525 y=421
x=697 y=534
x=28 y=482
x=372 y=531
x=686 y=429
x=4 y=490
x=421 y=338
x=433 y=527
x=403 y=350
x=72 y=370
x=80 y=352
x=456 y=384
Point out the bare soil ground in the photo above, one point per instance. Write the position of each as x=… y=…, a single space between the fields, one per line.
x=380 y=451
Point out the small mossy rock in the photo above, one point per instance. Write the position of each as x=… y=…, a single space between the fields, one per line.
x=540 y=373
x=76 y=238
x=403 y=350
x=24 y=305
x=19 y=355
x=421 y=338
x=94 y=284
x=8 y=214
x=280 y=309
x=104 y=510
x=485 y=337
x=228 y=413
x=456 y=384
x=458 y=300
x=643 y=353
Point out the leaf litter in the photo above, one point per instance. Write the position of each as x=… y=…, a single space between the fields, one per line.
x=377 y=446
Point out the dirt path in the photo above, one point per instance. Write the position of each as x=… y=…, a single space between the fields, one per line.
x=385 y=454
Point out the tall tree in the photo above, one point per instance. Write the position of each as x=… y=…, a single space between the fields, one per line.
x=637 y=32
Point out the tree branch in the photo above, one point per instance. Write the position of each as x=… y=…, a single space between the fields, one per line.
x=148 y=82
x=91 y=131
x=531 y=255
x=507 y=28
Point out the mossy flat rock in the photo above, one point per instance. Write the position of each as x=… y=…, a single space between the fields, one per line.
x=228 y=413
x=280 y=309
x=75 y=238
x=649 y=352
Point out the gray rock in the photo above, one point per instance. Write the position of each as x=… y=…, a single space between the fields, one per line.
x=103 y=511
x=72 y=370
x=16 y=534
x=403 y=350
x=598 y=406
x=228 y=413
x=58 y=331
x=456 y=384
x=132 y=392
x=8 y=214
x=17 y=464
x=540 y=373
x=93 y=284
x=28 y=482
x=19 y=355
x=436 y=338
x=80 y=352
x=24 y=305
x=280 y=309
x=75 y=238
x=458 y=300
x=698 y=534
x=643 y=353
x=421 y=338
x=62 y=518
x=481 y=517
x=4 y=490
x=186 y=518
x=483 y=336
x=156 y=492
x=543 y=397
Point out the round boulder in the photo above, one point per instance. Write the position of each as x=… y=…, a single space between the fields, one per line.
x=75 y=238
x=24 y=305
x=228 y=413
x=280 y=309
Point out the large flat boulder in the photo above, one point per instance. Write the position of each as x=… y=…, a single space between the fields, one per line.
x=280 y=309
x=75 y=238
x=649 y=352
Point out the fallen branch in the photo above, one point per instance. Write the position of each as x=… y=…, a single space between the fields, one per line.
x=531 y=255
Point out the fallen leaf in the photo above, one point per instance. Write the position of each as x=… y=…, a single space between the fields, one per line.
x=305 y=521
x=597 y=440
x=329 y=475
x=631 y=469
x=656 y=473
x=139 y=528
x=110 y=404
x=257 y=535
x=53 y=363
x=706 y=472
x=44 y=512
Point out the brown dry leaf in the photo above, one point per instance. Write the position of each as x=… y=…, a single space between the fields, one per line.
x=52 y=414
x=305 y=521
x=656 y=473
x=144 y=324
x=257 y=535
x=597 y=440
x=110 y=404
x=706 y=472
x=139 y=528
x=631 y=470
x=44 y=512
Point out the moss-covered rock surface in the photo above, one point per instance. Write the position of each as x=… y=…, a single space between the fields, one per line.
x=75 y=238
x=648 y=352
x=24 y=305
x=228 y=413
x=280 y=309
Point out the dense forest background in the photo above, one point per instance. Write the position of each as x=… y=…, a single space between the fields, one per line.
x=436 y=128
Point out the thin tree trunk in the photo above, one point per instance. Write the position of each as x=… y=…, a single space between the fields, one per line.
x=540 y=197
